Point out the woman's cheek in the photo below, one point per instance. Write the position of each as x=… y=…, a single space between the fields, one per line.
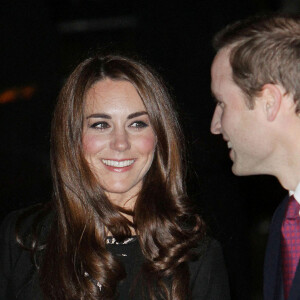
x=93 y=144
x=146 y=144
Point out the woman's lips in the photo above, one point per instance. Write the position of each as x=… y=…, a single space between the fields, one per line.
x=118 y=165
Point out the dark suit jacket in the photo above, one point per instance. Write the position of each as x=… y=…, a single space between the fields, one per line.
x=273 y=286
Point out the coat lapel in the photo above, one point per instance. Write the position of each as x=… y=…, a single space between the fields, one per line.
x=272 y=265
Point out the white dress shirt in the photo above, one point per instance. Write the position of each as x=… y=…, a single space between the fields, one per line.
x=296 y=193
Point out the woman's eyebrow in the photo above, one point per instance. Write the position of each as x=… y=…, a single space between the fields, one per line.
x=99 y=115
x=137 y=114
x=105 y=116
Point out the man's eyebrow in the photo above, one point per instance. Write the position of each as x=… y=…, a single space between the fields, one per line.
x=103 y=116
x=137 y=114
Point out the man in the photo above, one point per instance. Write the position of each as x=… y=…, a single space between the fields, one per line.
x=256 y=82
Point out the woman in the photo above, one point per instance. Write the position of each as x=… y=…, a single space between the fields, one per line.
x=121 y=226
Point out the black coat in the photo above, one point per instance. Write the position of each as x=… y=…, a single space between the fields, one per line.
x=19 y=277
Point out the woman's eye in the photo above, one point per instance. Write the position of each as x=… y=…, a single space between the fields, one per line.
x=138 y=124
x=100 y=125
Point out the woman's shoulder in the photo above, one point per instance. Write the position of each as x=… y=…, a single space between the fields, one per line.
x=209 y=278
x=208 y=245
x=208 y=250
x=24 y=222
x=17 y=269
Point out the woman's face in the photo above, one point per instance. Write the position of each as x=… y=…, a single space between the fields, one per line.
x=118 y=140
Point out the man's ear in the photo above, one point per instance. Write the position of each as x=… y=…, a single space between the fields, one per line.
x=271 y=96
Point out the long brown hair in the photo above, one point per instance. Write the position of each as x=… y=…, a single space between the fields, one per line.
x=162 y=216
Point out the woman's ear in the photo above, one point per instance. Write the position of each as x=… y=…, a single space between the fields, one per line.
x=271 y=95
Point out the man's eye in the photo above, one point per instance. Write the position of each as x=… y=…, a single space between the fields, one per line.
x=138 y=124
x=100 y=125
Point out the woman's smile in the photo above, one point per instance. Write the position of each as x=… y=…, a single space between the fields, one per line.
x=118 y=165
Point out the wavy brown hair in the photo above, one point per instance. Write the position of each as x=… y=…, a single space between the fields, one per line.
x=167 y=228
x=264 y=49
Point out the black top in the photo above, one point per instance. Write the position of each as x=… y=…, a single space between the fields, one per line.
x=19 y=279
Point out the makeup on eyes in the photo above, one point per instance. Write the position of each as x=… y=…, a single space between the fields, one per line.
x=101 y=125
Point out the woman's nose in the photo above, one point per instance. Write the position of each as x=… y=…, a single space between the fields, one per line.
x=120 y=141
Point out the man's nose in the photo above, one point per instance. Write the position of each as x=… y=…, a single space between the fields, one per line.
x=215 y=126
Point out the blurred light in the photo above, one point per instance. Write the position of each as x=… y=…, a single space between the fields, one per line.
x=17 y=93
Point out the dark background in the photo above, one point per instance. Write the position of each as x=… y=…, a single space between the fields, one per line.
x=41 y=42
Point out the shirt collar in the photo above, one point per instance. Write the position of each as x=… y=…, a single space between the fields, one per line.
x=296 y=193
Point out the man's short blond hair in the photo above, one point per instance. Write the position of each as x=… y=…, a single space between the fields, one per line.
x=264 y=50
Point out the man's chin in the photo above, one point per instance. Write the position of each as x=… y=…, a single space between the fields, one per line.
x=235 y=171
x=239 y=170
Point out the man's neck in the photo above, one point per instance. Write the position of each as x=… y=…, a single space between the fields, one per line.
x=289 y=174
x=288 y=154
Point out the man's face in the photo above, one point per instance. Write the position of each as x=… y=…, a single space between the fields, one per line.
x=242 y=128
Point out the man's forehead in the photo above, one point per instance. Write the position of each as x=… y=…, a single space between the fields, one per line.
x=220 y=70
x=221 y=65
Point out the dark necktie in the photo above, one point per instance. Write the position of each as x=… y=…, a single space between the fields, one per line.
x=290 y=244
